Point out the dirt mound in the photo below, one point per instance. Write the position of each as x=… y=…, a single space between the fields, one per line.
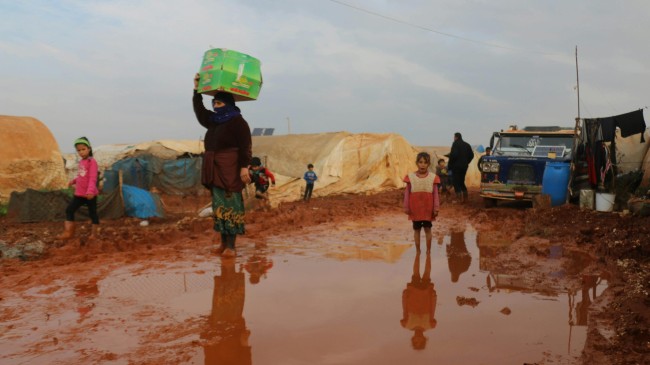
x=29 y=157
x=621 y=242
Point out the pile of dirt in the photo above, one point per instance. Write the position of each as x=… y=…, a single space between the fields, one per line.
x=25 y=164
x=621 y=243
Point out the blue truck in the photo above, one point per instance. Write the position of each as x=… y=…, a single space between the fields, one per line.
x=515 y=169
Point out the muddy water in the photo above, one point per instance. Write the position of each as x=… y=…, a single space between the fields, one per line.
x=353 y=294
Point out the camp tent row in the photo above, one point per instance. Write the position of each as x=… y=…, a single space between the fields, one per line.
x=346 y=163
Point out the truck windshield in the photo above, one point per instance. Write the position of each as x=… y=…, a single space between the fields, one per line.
x=525 y=144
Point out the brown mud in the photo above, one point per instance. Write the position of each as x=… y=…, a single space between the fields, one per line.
x=587 y=245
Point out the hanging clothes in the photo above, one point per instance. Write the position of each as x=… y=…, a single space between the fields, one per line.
x=608 y=128
x=631 y=123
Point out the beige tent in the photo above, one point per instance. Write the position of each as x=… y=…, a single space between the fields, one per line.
x=630 y=151
x=29 y=157
x=344 y=162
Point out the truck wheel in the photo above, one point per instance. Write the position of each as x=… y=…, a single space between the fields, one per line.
x=489 y=202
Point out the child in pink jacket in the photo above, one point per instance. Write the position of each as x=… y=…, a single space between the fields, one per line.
x=85 y=192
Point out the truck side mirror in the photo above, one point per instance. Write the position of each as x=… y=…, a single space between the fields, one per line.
x=492 y=140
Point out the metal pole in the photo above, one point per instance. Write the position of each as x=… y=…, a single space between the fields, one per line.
x=577 y=82
x=577 y=135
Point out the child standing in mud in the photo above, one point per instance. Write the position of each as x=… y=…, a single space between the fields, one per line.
x=310 y=178
x=85 y=192
x=421 y=199
x=443 y=174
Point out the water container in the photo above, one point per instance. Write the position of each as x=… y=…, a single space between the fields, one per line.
x=555 y=181
x=605 y=202
x=587 y=199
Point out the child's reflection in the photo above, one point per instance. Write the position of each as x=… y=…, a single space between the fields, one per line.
x=227 y=335
x=419 y=303
x=257 y=266
x=458 y=258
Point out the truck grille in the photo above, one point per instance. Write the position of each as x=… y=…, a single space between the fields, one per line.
x=521 y=173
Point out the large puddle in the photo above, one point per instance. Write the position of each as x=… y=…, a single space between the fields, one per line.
x=357 y=294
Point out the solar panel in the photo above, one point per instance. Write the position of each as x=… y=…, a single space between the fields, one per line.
x=257 y=131
x=543 y=151
x=268 y=131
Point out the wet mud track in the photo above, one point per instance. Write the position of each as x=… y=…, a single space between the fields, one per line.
x=345 y=288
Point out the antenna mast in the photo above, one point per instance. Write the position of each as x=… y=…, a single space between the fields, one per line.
x=577 y=83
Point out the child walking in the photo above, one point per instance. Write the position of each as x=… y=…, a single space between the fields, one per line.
x=261 y=177
x=421 y=199
x=310 y=177
x=85 y=192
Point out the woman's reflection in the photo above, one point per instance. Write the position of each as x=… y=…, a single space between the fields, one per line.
x=458 y=257
x=227 y=335
x=419 y=303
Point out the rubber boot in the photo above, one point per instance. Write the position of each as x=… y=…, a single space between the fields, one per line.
x=230 y=246
x=68 y=231
x=94 y=231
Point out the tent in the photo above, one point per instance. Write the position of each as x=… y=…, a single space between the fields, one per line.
x=171 y=166
x=29 y=157
x=344 y=162
x=630 y=151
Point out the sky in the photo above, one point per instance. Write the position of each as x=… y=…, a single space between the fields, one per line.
x=121 y=71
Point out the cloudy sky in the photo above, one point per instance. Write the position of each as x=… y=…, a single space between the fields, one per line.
x=121 y=71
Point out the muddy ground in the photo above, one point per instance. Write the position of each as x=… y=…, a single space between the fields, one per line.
x=614 y=246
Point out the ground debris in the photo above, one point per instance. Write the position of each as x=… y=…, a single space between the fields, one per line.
x=467 y=301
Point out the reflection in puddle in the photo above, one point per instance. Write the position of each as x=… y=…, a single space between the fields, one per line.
x=589 y=291
x=326 y=306
x=419 y=303
x=227 y=336
x=458 y=258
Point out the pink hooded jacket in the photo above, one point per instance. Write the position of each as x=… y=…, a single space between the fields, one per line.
x=86 y=180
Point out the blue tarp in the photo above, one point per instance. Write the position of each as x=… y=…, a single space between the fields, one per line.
x=141 y=203
x=181 y=176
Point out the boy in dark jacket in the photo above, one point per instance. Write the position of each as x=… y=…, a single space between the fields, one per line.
x=262 y=178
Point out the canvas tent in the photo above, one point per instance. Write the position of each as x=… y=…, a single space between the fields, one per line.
x=171 y=166
x=344 y=162
x=630 y=151
x=29 y=157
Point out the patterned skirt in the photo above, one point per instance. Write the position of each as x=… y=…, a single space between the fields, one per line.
x=228 y=211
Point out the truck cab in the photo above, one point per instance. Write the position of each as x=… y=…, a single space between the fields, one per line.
x=515 y=169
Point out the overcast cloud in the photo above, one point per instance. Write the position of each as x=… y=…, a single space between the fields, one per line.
x=121 y=71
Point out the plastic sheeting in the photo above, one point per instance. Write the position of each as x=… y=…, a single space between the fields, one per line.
x=630 y=151
x=344 y=162
x=141 y=203
x=178 y=177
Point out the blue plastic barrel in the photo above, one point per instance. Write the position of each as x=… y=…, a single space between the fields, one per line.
x=555 y=181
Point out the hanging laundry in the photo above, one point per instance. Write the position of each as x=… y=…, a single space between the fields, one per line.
x=631 y=123
x=608 y=127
